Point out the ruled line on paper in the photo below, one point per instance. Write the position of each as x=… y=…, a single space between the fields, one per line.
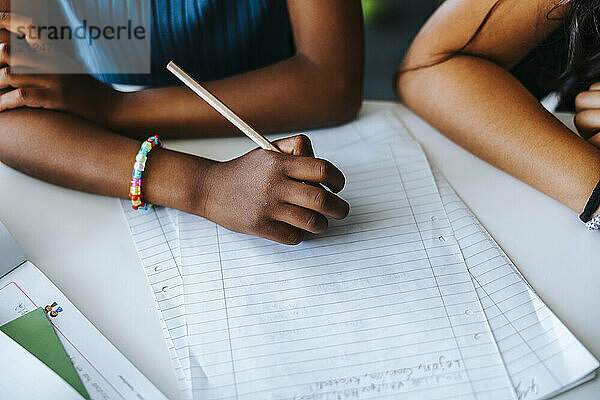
x=511 y=298
x=242 y=284
x=535 y=378
x=437 y=283
x=149 y=228
x=503 y=292
x=508 y=300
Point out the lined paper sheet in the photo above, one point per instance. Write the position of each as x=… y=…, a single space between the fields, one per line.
x=174 y=218
x=379 y=305
x=157 y=243
x=542 y=357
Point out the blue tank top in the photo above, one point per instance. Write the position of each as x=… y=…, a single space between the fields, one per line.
x=211 y=39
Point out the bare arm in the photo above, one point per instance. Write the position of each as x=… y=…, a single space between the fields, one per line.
x=71 y=152
x=475 y=101
x=259 y=193
x=321 y=85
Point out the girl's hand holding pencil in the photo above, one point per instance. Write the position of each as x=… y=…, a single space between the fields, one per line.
x=275 y=192
x=261 y=193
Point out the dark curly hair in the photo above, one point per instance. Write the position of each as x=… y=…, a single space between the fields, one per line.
x=568 y=61
x=582 y=31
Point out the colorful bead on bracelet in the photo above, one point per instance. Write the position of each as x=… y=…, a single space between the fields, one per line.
x=594 y=223
x=135 y=191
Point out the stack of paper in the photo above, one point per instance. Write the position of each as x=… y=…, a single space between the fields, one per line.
x=34 y=332
x=25 y=377
x=408 y=297
x=48 y=349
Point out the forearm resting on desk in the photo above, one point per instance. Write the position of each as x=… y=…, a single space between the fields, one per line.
x=288 y=96
x=71 y=152
x=259 y=193
x=320 y=85
x=480 y=106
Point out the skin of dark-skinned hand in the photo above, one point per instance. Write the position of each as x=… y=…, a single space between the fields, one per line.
x=587 y=117
x=267 y=194
x=80 y=95
x=25 y=83
x=319 y=85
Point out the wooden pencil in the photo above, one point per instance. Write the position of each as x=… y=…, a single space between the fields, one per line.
x=221 y=108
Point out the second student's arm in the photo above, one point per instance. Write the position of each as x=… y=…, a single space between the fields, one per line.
x=320 y=85
x=476 y=102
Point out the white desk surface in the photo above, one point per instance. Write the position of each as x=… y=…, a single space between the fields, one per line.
x=82 y=243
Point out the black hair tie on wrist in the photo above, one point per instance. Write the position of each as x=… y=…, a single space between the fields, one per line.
x=592 y=205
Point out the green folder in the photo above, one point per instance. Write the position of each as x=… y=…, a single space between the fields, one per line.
x=35 y=334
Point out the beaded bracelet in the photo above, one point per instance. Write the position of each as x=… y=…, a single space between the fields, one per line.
x=594 y=223
x=592 y=205
x=135 y=192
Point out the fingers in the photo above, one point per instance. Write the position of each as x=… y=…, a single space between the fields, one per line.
x=316 y=199
x=587 y=106
x=19 y=25
x=5 y=36
x=588 y=122
x=6 y=79
x=21 y=58
x=15 y=23
x=283 y=233
x=4 y=53
x=22 y=97
x=303 y=218
x=595 y=140
x=308 y=169
x=15 y=80
x=589 y=99
x=299 y=145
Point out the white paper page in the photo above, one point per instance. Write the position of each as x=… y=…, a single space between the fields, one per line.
x=157 y=243
x=104 y=371
x=193 y=282
x=174 y=215
x=542 y=356
x=531 y=339
x=380 y=127
x=24 y=377
x=380 y=305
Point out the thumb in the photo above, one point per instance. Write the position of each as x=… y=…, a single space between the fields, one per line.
x=298 y=145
